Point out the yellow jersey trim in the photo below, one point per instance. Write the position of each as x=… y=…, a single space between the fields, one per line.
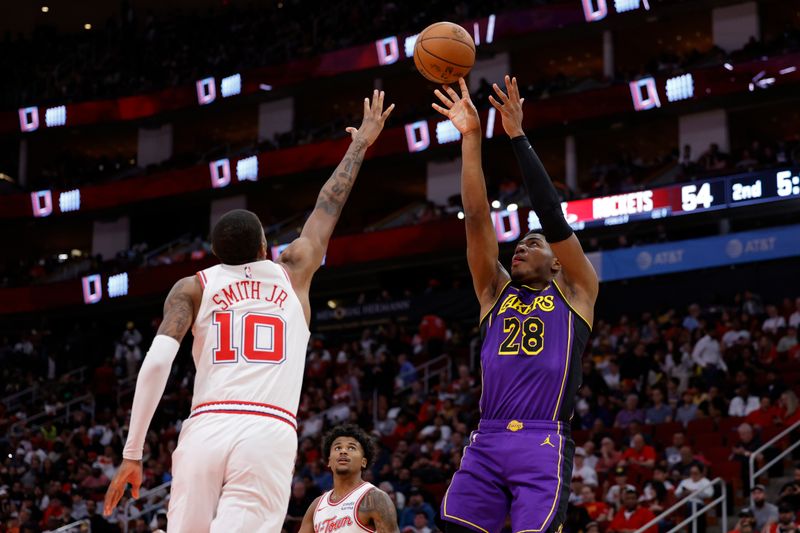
x=566 y=301
x=489 y=312
x=558 y=491
x=566 y=365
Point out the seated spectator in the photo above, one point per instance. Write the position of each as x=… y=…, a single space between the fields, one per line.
x=789 y=408
x=659 y=412
x=787 y=521
x=794 y=318
x=581 y=471
x=774 y=321
x=764 y=512
x=746 y=522
x=696 y=482
x=687 y=411
x=416 y=504
x=632 y=516
x=598 y=511
x=744 y=403
x=617 y=490
x=673 y=453
x=420 y=524
x=609 y=456
x=639 y=453
x=765 y=416
x=591 y=458
x=631 y=413
x=788 y=341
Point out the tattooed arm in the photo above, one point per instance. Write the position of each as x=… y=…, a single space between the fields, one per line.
x=378 y=510
x=304 y=256
x=180 y=308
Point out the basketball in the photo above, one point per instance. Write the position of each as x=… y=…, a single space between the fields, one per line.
x=444 y=52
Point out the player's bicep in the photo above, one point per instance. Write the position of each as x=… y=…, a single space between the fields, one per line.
x=577 y=269
x=488 y=275
x=179 y=308
x=379 y=509
x=302 y=258
x=307 y=525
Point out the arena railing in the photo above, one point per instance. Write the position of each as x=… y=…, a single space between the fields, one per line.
x=692 y=500
x=32 y=393
x=754 y=456
x=84 y=403
x=443 y=366
x=160 y=492
x=78 y=526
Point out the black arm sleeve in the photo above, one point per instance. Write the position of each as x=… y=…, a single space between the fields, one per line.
x=543 y=196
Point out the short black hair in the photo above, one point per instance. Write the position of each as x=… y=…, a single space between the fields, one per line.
x=237 y=237
x=352 y=431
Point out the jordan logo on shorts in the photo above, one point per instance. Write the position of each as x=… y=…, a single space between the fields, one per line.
x=547 y=442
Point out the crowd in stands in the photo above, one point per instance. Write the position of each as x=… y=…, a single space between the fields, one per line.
x=140 y=51
x=670 y=400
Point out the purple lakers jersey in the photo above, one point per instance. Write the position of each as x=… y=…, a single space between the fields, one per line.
x=531 y=355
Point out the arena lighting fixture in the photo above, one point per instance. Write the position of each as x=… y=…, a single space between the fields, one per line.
x=332 y=304
x=45 y=9
x=461 y=215
x=512 y=207
x=87 y=26
x=496 y=204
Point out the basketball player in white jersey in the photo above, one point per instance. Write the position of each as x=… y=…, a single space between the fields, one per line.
x=249 y=316
x=353 y=505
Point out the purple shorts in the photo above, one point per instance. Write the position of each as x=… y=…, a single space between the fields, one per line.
x=517 y=467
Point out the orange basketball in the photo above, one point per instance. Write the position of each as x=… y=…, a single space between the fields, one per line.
x=444 y=52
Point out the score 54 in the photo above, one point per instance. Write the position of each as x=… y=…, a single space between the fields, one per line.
x=693 y=197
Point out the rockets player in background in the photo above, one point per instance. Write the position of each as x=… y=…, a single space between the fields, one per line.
x=233 y=464
x=353 y=505
x=534 y=324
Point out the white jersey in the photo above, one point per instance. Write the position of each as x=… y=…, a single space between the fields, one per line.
x=250 y=340
x=342 y=516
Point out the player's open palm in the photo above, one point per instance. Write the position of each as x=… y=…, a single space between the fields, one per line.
x=459 y=109
x=510 y=107
x=374 y=119
x=129 y=472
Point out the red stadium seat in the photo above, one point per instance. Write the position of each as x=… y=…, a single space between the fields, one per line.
x=699 y=426
x=728 y=427
x=663 y=433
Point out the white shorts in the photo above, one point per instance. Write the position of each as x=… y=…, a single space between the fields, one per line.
x=231 y=473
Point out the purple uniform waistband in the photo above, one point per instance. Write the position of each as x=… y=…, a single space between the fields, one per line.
x=514 y=425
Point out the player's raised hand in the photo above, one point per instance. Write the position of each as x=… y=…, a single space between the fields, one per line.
x=510 y=106
x=129 y=472
x=374 y=119
x=459 y=109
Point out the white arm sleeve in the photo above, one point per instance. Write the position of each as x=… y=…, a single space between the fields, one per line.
x=150 y=387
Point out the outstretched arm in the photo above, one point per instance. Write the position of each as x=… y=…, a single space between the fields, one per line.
x=488 y=276
x=179 y=312
x=579 y=277
x=378 y=510
x=304 y=256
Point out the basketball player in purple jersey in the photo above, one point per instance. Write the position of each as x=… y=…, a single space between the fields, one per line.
x=535 y=323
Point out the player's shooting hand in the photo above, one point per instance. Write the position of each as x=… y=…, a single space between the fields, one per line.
x=129 y=472
x=459 y=109
x=374 y=119
x=510 y=107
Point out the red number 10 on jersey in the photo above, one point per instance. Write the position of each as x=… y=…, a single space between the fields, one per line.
x=254 y=327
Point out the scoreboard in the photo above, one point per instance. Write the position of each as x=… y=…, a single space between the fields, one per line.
x=679 y=199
